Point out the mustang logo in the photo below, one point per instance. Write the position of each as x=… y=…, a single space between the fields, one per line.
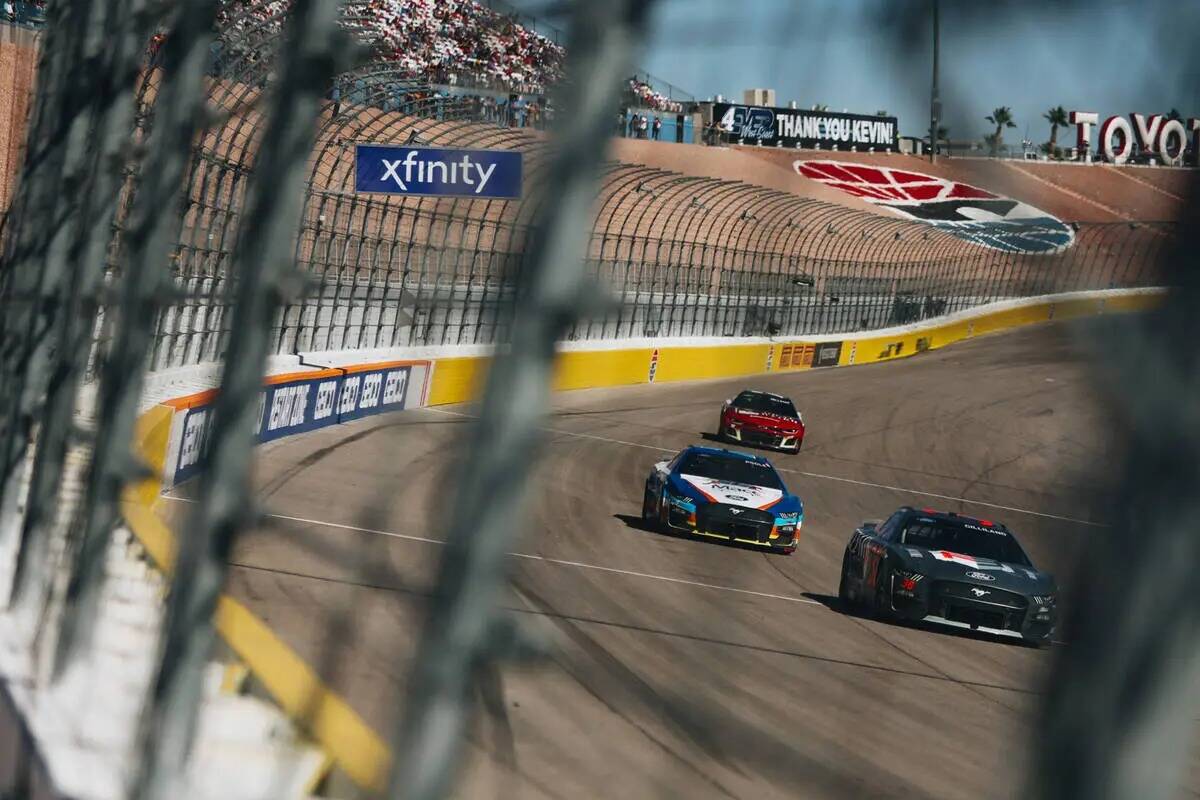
x=979 y=592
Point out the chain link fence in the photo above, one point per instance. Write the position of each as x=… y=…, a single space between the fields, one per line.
x=230 y=230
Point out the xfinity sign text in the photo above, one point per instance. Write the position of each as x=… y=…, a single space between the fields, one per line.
x=491 y=174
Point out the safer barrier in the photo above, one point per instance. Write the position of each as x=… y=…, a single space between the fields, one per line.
x=590 y=365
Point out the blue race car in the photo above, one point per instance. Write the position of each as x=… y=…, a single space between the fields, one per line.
x=723 y=495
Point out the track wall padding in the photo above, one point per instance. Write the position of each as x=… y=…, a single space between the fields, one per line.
x=459 y=379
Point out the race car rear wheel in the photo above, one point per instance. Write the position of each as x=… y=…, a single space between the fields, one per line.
x=648 y=510
x=881 y=603
x=843 y=587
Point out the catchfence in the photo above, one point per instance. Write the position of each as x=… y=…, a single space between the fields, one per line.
x=231 y=230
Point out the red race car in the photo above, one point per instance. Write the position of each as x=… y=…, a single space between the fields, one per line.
x=762 y=419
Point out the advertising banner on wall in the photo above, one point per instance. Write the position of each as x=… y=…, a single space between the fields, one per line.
x=299 y=406
x=437 y=172
x=790 y=127
x=827 y=354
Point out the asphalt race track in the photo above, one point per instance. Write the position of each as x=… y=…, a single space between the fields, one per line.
x=691 y=668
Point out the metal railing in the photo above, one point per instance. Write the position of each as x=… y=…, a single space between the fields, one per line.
x=671 y=91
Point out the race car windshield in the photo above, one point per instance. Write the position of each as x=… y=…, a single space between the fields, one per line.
x=957 y=538
x=765 y=404
x=731 y=470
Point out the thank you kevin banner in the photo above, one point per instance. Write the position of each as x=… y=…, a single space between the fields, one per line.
x=433 y=171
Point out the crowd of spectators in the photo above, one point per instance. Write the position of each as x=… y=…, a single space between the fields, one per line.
x=464 y=39
x=644 y=96
x=514 y=112
x=458 y=42
x=633 y=125
x=25 y=12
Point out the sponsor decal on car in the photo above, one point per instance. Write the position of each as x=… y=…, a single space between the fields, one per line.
x=968 y=212
x=957 y=558
x=717 y=491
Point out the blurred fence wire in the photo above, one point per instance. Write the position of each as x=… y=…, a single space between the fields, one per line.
x=465 y=633
x=227 y=230
x=1119 y=718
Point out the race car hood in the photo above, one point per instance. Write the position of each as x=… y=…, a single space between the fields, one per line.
x=760 y=418
x=710 y=490
x=946 y=565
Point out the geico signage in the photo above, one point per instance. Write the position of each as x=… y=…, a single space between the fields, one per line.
x=298 y=406
x=1166 y=138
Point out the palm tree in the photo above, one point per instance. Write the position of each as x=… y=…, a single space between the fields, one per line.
x=1174 y=114
x=820 y=107
x=882 y=113
x=1001 y=118
x=1058 y=118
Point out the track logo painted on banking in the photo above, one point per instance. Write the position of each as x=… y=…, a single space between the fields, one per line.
x=968 y=212
x=430 y=171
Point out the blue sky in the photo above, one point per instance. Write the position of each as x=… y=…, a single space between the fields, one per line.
x=1108 y=56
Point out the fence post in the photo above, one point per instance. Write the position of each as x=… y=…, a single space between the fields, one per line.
x=463 y=634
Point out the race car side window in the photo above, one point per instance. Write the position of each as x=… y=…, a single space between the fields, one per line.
x=888 y=530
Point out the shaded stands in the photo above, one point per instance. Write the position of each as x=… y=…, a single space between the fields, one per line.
x=686 y=254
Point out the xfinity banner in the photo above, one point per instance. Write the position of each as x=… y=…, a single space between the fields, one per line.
x=786 y=127
x=431 y=171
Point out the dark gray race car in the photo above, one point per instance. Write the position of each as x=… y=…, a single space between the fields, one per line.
x=942 y=567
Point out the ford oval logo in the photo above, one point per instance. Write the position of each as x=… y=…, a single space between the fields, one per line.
x=981 y=576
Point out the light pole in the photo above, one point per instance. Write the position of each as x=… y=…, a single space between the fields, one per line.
x=935 y=103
